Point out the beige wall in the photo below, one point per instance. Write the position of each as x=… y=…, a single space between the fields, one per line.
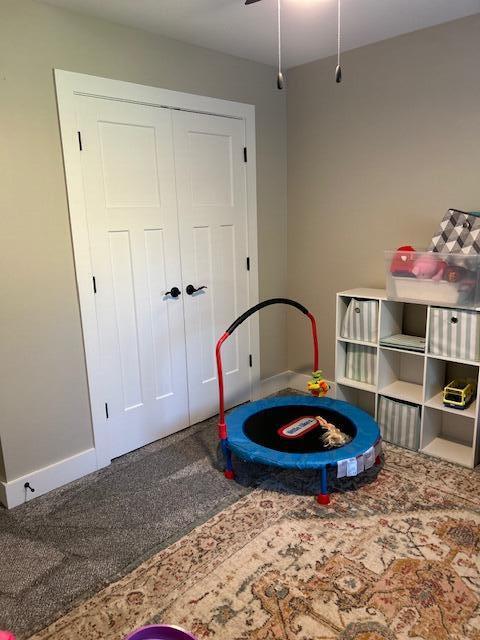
x=375 y=162
x=44 y=402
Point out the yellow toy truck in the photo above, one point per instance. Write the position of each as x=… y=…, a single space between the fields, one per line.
x=459 y=394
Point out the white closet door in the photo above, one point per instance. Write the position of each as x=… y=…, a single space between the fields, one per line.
x=129 y=182
x=211 y=195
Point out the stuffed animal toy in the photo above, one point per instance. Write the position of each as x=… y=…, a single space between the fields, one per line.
x=403 y=262
x=428 y=266
x=332 y=437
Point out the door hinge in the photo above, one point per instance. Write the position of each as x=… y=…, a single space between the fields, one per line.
x=250 y=360
x=80 y=145
x=248 y=263
x=245 y=159
x=94 y=284
x=106 y=410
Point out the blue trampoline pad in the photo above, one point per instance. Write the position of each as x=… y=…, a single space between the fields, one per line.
x=245 y=421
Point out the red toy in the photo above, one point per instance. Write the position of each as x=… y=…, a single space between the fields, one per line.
x=6 y=635
x=403 y=261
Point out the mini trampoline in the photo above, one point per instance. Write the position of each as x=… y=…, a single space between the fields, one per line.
x=253 y=431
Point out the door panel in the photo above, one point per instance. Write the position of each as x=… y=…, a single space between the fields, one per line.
x=129 y=165
x=156 y=281
x=129 y=178
x=211 y=167
x=126 y=318
x=211 y=195
x=202 y=304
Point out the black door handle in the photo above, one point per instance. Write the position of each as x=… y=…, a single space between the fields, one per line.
x=174 y=292
x=191 y=289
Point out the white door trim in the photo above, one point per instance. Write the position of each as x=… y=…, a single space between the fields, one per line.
x=68 y=85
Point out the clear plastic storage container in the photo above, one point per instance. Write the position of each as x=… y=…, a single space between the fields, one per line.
x=444 y=279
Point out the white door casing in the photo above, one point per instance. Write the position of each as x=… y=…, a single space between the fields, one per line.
x=129 y=185
x=69 y=87
x=211 y=194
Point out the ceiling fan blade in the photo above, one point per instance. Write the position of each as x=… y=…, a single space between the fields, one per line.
x=251 y=1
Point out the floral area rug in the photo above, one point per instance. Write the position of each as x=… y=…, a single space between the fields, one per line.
x=392 y=557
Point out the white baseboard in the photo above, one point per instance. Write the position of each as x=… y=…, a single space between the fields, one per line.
x=13 y=493
x=288 y=380
x=274 y=384
x=298 y=381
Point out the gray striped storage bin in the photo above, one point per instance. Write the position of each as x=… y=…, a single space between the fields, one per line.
x=455 y=333
x=361 y=320
x=360 y=363
x=399 y=422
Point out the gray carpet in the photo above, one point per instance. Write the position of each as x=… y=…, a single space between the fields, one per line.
x=63 y=547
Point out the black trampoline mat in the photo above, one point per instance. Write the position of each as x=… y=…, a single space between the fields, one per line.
x=262 y=428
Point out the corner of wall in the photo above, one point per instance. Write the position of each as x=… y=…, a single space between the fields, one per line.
x=3 y=478
x=3 y=475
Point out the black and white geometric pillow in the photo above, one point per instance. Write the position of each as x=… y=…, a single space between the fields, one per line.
x=459 y=233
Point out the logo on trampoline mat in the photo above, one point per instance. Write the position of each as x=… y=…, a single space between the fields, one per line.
x=298 y=427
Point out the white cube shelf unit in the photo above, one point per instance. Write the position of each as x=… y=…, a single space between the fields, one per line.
x=409 y=376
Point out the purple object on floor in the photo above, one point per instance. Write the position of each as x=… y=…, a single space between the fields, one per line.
x=160 y=632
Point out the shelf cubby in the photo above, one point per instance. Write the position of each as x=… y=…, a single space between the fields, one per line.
x=414 y=377
x=448 y=435
x=399 y=317
x=341 y=364
x=359 y=397
x=438 y=374
x=400 y=375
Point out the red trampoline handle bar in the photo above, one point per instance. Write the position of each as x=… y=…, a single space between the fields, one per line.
x=222 y=427
x=315 y=340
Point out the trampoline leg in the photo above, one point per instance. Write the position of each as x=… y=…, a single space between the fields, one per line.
x=323 y=497
x=229 y=472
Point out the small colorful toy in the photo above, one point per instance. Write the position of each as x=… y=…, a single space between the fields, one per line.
x=6 y=635
x=317 y=385
x=459 y=394
x=455 y=274
x=160 y=632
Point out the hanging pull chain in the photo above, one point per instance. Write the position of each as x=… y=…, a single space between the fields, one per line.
x=338 y=70
x=280 y=80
